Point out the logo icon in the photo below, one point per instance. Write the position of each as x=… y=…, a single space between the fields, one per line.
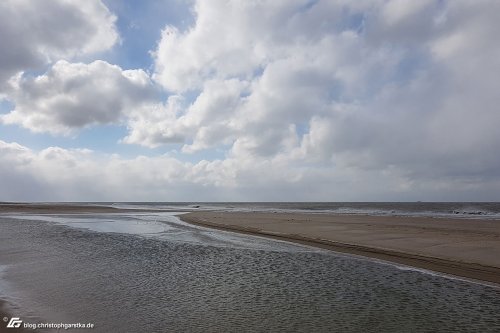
x=15 y=322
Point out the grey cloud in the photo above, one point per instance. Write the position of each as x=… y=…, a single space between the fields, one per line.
x=75 y=174
x=380 y=100
x=36 y=32
x=401 y=87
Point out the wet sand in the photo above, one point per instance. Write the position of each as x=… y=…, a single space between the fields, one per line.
x=467 y=248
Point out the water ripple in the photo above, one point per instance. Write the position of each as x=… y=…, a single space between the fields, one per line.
x=125 y=283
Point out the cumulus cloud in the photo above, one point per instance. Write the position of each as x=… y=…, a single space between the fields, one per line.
x=315 y=100
x=34 y=33
x=290 y=61
x=391 y=85
x=201 y=124
x=71 y=96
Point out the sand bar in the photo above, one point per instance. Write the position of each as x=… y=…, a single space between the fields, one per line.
x=464 y=247
x=70 y=208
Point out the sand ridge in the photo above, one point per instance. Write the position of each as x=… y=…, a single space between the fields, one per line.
x=463 y=247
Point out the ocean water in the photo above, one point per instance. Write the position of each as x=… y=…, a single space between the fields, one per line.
x=153 y=273
x=469 y=210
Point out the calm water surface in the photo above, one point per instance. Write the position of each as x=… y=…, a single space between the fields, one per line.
x=153 y=273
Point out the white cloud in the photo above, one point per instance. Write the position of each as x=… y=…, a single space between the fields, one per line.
x=77 y=174
x=155 y=124
x=34 y=33
x=373 y=85
x=280 y=68
x=293 y=60
x=309 y=100
x=71 y=96
x=82 y=175
x=398 y=11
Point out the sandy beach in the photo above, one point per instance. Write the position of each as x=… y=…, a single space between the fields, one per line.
x=463 y=247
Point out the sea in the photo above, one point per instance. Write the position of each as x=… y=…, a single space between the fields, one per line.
x=152 y=272
x=468 y=210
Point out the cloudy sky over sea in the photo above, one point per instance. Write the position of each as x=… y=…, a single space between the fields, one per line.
x=177 y=100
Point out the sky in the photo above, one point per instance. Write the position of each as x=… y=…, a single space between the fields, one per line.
x=249 y=100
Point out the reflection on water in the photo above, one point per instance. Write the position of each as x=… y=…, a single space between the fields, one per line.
x=166 y=226
x=217 y=283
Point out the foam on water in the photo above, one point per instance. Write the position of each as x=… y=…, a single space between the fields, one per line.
x=466 y=210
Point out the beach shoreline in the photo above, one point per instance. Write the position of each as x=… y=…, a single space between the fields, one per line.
x=76 y=262
x=458 y=247
x=461 y=247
